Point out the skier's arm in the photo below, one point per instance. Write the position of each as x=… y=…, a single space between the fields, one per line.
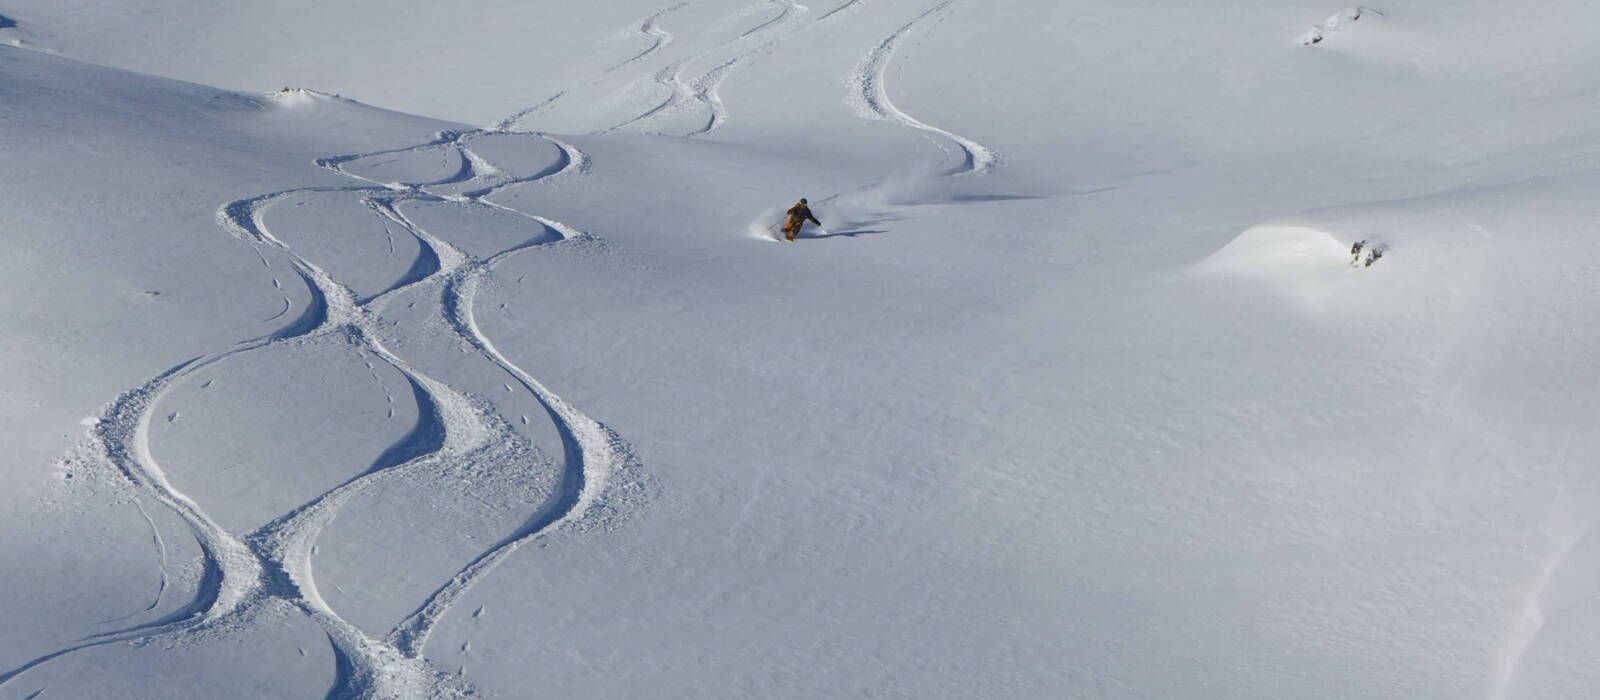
x=812 y=217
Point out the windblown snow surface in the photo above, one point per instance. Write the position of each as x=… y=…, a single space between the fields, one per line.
x=470 y=364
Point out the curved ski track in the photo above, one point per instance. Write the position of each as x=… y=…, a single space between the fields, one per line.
x=651 y=27
x=868 y=82
x=847 y=5
x=708 y=87
x=871 y=97
x=703 y=90
x=272 y=566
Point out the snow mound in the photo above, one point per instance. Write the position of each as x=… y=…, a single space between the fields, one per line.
x=303 y=97
x=1338 y=21
x=1306 y=260
x=1271 y=250
x=14 y=34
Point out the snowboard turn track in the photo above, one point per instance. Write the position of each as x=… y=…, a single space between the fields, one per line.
x=870 y=96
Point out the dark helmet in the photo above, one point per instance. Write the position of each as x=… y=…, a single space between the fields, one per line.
x=802 y=200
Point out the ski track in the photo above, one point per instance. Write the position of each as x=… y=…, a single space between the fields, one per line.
x=870 y=96
x=837 y=10
x=703 y=90
x=160 y=547
x=651 y=27
x=243 y=576
x=700 y=91
x=707 y=89
x=1530 y=617
x=786 y=7
x=161 y=560
x=584 y=442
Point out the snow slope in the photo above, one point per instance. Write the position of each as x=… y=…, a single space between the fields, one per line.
x=1079 y=392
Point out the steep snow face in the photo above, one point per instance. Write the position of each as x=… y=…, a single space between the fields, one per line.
x=1081 y=390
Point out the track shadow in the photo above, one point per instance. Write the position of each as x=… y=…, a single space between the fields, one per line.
x=991 y=197
x=917 y=200
x=866 y=223
x=852 y=233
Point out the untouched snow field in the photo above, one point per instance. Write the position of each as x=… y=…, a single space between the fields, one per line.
x=490 y=378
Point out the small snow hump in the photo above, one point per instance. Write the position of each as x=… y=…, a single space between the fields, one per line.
x=1301 y=260
x=1339 y=20
x=1275 y=250
x=293 y=97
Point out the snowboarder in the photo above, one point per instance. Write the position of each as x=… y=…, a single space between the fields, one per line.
x=797 y=218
